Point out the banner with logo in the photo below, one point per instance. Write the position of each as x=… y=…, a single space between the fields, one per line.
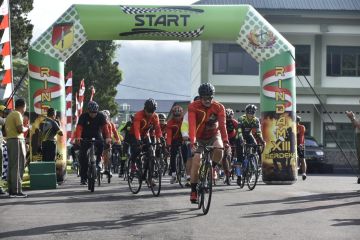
x=238 y=23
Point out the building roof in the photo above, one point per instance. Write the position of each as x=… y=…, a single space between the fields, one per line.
x=326 y=5
x=136 y=105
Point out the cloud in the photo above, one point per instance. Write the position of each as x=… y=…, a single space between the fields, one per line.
x=155 y=67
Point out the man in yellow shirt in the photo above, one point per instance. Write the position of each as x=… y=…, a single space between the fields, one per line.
x=16 y=148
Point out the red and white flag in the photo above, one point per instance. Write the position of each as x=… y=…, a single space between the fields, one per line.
x=81 y=97
x=68 y=97
x=92 y=89
x=76 y=108
x=5 y=55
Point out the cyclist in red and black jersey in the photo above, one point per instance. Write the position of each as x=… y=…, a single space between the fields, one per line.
x=174 y=139
x=206 y=127
x=163 y=124
x=91 y=124
x=143 y=122
x=231 y=129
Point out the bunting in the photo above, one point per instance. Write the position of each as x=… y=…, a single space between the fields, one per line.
x=5 y=55
x=68 y=110
x=76 y=108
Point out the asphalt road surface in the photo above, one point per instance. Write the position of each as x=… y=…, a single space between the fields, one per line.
x=322 y=207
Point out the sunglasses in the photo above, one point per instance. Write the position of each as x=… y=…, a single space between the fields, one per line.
x=207 y=98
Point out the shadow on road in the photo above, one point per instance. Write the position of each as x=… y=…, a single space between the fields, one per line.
x=346 y=222
x=124 y=222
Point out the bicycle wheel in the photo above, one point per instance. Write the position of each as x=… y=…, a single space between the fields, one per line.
x=91 y=177
x=253 y=173
x=133 y=175
x=180 y=170
x=206 y=187
x=155 y=175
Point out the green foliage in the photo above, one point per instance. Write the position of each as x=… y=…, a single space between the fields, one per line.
x=21 y=28
x=20 y=70
x=94 y=63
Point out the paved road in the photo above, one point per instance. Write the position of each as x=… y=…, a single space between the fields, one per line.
x=322 y=207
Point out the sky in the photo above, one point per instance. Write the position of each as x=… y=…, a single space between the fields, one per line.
x=162 y=66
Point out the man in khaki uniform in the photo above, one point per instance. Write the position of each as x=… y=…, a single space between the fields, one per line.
x=16 y=148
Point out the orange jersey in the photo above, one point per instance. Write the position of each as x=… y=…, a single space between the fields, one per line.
x=173 y=131
x=163 y=129
x=300 y=134
x=112 y=130
x=142 y=125
x=206 y=122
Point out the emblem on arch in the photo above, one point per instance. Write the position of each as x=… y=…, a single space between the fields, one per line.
x=63 y=36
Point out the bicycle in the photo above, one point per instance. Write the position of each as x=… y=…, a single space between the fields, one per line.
x=154 y=173
x=116 y=157
x=204 y=187
x=249 y=167
x=93 y=172
x=180 y=167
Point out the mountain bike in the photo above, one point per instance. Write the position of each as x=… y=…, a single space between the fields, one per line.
x=180 y=167
x=92 y=173
x=249 y=167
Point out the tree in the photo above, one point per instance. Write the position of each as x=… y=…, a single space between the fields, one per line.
x=20 y=70
x=94 y=63
x=21 y=28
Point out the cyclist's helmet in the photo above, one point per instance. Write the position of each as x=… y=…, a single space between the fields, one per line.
x=206 y=89
x=177 y=111
x=298 y=118
x=92 y=106
x=250 y=109
x=132 y=116
x=229 y=113
x=107 y=113
x=150 y=105
x=162 y=117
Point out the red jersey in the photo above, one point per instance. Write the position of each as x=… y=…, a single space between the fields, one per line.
x=163 y=129
x=173 y=130
x=206 y=122
x=300 y=134
x=141 y=125
x=231 y=127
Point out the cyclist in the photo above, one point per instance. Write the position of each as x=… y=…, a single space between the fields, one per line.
x=300 y=129
x=143 y=122
x=231 y=128
x=174 y=139
x=114 y=135
x=91 y=124
x=247 y=123
x=206 y=123
x=163 y=124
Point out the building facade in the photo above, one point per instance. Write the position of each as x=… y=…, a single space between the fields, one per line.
x=326 y=36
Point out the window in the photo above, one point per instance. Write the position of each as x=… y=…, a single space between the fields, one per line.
x=343 y=61
x=233 y=59
x=307 y=128
x=302 y=58
x=343 y=133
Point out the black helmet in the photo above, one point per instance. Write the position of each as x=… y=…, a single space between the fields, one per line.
x=250 y=109
x=150 y=105
x=92 y=106
x=162 y=116
x=229 y=113
x=206 y=89
x=298 y=118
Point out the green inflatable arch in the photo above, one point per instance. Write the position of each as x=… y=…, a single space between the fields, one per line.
x=239 y=23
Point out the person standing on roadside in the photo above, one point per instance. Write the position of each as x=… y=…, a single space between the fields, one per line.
x=2 y=123
x=16 y=148
x=356 y=123
x=49 y=128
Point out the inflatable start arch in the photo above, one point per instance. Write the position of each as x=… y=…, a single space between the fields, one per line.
x=239 y=23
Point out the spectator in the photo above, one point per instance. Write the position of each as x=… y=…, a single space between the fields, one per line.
x=356 y=124
x=300 y=129
x=16 y=148
x=2 y=123
x=49 y=128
